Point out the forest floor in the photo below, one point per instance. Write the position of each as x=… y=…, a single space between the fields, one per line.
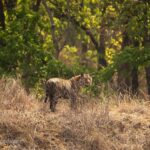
x=115 y=124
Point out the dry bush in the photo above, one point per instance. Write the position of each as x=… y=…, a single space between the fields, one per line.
x=83 y=129
x=117 y=123
x=14 y=96
x=19 y=115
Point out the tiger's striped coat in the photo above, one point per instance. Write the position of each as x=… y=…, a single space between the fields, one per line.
x=61 y=88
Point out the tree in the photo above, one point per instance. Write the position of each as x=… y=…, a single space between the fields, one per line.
x=53 y=31
x=2 y=16
x=76 y=15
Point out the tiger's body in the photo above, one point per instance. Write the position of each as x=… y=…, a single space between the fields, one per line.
x=68 y=89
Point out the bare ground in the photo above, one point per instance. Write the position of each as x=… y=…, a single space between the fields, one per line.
x=116 y=124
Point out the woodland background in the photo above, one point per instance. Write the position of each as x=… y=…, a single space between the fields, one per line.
x=109 y=39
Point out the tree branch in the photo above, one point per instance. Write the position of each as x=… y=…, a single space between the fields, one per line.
x=73 y=20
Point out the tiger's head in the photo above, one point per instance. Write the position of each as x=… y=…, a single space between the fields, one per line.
x=86 y=80
x=81 y=80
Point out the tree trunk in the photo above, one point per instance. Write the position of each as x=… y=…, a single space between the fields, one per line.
x=101 y=58
x=135 y=83
x=147 y=70
x=37 y=5
x=55 y=41
x=146 y=42
x=134 y=74
x=101 y=49
x=84 y=49
x=2 y=16
x=124 y=70
x=124 y=76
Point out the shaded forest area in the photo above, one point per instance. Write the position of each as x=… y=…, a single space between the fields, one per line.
x=109 y=39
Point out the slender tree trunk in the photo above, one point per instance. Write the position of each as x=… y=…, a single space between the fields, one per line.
x=2 y=16
x=55 y=41
x=135 y=83
x=101 y=58
x=101 y=46
x=146 y=42
x=124 y=70
x=147 y=70
x=101 y=49
x=2 y=22
x=83 y=51
x=134 y=74
x=37 y=5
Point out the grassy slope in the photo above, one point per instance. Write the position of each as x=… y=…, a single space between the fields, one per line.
x=27 y=123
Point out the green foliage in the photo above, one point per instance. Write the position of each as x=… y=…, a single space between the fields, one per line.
x=27 y=47
x=133 y=57
x=21 y=53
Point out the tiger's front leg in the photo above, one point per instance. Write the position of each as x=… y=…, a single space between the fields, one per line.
x=46 y=95
x=45 y=100
x=53 y=106
x=73 y=101
x=53 y=102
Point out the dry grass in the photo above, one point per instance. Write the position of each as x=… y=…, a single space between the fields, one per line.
x=119 y=123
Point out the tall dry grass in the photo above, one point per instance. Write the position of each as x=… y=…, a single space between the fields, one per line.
x=117 y=123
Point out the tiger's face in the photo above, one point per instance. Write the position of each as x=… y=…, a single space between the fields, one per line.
x=86 y=80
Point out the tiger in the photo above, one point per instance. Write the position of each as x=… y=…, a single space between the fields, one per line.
x=57 y=88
